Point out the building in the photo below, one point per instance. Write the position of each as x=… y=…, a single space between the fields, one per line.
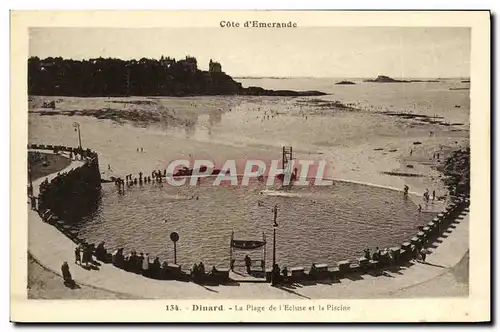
x=214 y=67
x=166 y=62
x=189 y=64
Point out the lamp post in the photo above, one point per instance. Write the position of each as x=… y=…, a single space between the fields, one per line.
x=275 y=225
x=76 y=125
x=174 y=236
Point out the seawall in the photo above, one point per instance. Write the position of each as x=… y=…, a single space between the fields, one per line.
x=70 y=194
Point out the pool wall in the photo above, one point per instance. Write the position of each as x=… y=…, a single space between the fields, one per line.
x=72 y=193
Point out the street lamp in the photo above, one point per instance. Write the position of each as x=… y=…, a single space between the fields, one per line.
x=76 y=125
x=275 y=225
x=174 y=236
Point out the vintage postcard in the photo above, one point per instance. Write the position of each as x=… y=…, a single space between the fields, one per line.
x=250 y=166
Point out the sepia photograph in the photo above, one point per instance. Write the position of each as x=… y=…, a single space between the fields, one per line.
x=259 y=157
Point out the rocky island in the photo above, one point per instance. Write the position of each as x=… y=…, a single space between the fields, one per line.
x=345 y=83
x=385 y=79
x=145 y=77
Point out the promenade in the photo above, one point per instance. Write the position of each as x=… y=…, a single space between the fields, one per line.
x=51 y=248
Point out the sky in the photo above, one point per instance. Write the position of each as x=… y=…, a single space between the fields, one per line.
x=411 y=52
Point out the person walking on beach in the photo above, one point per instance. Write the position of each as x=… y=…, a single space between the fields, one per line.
x=419 y=208
x=433 y=194
x=66 y=274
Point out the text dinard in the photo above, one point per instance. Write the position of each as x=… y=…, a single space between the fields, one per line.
x=257 y=24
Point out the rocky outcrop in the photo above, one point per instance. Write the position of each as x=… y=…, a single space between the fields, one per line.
x=385 y=79
x=345 y=83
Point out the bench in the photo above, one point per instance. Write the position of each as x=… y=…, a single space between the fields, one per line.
x=396 y=253
x=374 y=264
x=321 y=271
x=334 y=272
x=402 y=254
x=322 y=267
x=269 y=273
x=297 y=272
x=363 y=262
x=413 y=249
x=354 y=267
x=344 y=266
x=395 y=250
x=221 y=274
x=174 y=268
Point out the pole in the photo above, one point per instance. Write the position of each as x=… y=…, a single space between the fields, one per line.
x=79 y=138
x=275 y=225
x=283 y=159
x=274 y=246
x=77 y=128
x=231 y=251
x=175 y=253
x=265 y=250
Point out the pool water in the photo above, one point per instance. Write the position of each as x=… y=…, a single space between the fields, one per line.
x=321 y=224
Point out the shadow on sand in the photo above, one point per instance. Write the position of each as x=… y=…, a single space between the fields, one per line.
x=71 y=284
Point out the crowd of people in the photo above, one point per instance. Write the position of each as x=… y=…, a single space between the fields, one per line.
x=139 y=263
x=84 y=254
x=156 y=176
x=136 y=263
x=390 y=256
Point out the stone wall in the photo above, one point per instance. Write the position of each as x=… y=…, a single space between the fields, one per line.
x=71 y=194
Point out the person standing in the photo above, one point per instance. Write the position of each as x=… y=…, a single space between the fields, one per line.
x=84 y=255
x=145 y=264
x=248 y=263
x=77 y=256
x=423 y=254
x=65 y=272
